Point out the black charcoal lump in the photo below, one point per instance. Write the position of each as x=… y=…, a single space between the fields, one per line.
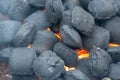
x=114 y=72
x=102 y=9
x=70 y=36
x=21 y=61
x=118 y=3
x=75 y=75
x=100 y=37
x=69 y=56
x=99 y=62
x=38 y=19
x=8 y=30
x=113 y=26
x=19 y=10
x=114 y=53
x=54 y=10
x=44 y=40
x=82 y=21
x=48 y=66
x=25 y=35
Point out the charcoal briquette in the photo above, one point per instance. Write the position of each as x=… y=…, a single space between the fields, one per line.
x=70 y=37
x=100 y=37
x=23 y=77
x=113 y=26
x=8 y=30
x=102 y=9
x=54 y=10
x=19 y=10
x=82 y=21
x=25 y=35
x=44 y=40
x=38 y=19
x=21 y=61
x=114 y=53
x=69 y=56
x=48 y=66
x=114 y=72
x=99 y=62
x=75 y=75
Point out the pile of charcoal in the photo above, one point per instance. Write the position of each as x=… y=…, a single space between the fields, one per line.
x=31 y=48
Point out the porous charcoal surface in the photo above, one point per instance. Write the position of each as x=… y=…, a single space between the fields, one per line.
x=102 y=9
x=100 y=37
x=48 y=66
x=113 y=26
x=69 y=56
x=38 y=19
x=8 y=29
x=70 y=37
x=82 y=21
x=99 y=62
x=25 y=35
x=54 y=10
x=44 y=40
x=114 y=72
x=21 y=61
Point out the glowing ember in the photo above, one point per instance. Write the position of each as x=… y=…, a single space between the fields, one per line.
x=113 y=45
x=29 y=46
x=82 y=53
x=48 y=29
x=68 y=68
x=58 y=36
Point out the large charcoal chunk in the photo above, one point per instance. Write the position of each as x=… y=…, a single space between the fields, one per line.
x=38 y=4
x=44 y=40
x=19 y=10
x=5 y=55
x=38 y=19
x=70 y=37
x=113 y=26
x=69 y=56
x=82 y=21
x=114 y=72
x=102 y=9
x=54 y=10
x=8 y=29
x=23 y=77
x=117 y=2
x=100 y=37
x=67 y=17
x=99 y=62
x=114 y=53
x=24 y=35
x=21 y=61
x=70 y=4
x=48 y=66
x=75 y=75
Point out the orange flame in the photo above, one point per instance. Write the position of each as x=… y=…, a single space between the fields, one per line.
x=48 y=29
x=82 y=53
x=113 y=44
x=68 y=68
x=58 y=36
x=29 y=46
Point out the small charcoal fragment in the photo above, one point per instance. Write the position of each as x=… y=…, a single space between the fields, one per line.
x=114 y=72
x=44 y=40
x=25 y=35
x=54 y=10
x=38 y=19
x=8 y=30
x=100 y=37
x=99 y=62
x=82 y=21
x=75 y=75
x=48 y=66
x=102 y=9
x=70 y=37
x=69 y=56
x=21 y=61
x=23 y=77
x=113 y=26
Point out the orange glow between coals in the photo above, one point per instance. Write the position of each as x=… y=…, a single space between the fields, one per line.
x=29 y=46
x=68 y=68
x=113 y=44
x=58 y=36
